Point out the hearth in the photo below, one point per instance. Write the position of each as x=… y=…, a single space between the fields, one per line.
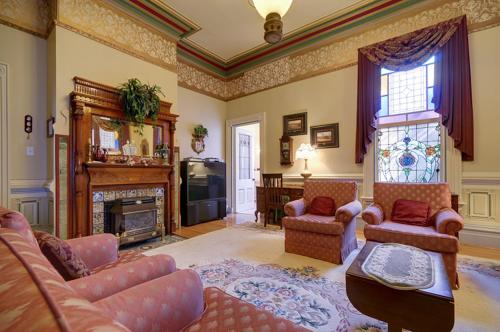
x=133 y=219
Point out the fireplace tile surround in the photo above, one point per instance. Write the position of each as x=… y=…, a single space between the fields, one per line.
x=99 y=197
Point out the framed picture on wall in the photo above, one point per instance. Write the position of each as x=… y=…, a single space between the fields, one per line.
x=295 y=124
x=325 y=136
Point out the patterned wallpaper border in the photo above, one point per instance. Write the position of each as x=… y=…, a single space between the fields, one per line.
x=108 y=24
x=481 y=14
x=28 y=16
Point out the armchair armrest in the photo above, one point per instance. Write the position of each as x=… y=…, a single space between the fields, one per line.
x=347 y=212
x=168 y=303
x=95 y=250
x=373 y=214
x=448 y=222
x=295 y=208
x=122 y=277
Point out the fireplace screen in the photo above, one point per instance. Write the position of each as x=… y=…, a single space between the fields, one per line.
x=134 y=219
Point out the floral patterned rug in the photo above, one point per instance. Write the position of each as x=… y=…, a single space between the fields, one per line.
x=299 y=295
x=249 y=262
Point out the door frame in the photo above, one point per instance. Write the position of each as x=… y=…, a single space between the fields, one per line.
x=4 y=166
x=259 y=118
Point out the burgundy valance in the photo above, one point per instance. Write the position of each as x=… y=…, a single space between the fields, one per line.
x=453 y=99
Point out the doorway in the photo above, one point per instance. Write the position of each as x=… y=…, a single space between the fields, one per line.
x=245 y=166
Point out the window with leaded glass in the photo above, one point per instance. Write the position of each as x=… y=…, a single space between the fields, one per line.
x=409 y=142
x=407 y=91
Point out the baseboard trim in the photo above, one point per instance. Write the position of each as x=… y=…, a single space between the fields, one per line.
x=479 y=238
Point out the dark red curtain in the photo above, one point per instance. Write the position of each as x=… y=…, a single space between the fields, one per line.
x=368 y=102
x=447 y=40
x=453 y=92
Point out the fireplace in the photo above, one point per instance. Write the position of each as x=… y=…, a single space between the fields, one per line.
x=133 y=219
x=93 y=184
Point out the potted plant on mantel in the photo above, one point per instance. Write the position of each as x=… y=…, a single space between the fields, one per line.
x=198 y=141
x=140 y=101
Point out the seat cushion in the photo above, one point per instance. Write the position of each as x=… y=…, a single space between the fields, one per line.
x=69 y=265
x=314 y=223
x=227 y=313
x=411 y=212
x=322 y=206
x=426 y=238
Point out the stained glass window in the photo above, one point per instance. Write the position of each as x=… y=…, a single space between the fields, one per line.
x=407 y=91
x=409 y=153
x=409 y=138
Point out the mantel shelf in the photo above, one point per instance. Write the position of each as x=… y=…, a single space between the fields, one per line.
x=116 y=165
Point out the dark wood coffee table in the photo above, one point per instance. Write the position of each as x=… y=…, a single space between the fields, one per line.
x=431 y=309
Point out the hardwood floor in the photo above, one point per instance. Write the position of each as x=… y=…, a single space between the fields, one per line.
x=200 y=229
x=234 y=219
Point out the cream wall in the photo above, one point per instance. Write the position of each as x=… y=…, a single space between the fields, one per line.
x=72 y=55
x=328 y=98
x=77 y=55
x=26 y=57
x=485 y=71
x=195 y=109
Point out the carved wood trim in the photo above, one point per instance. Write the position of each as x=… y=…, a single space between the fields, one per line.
x=92 y=98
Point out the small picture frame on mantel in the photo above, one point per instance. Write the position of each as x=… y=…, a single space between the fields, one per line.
x=325 y=136
x=295 y=124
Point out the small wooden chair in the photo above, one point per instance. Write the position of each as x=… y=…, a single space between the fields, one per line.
x=273 y=184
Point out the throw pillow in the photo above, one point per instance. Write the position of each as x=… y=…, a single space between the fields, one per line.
x=411 y=212
x=69 y=265
x=322 y=206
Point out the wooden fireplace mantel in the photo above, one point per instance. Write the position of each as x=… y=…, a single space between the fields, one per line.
x=91 y=98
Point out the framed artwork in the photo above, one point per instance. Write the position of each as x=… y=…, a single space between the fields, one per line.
x=295 y=124
x=325 y=136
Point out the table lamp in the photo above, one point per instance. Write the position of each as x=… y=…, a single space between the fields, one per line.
x=305 y=151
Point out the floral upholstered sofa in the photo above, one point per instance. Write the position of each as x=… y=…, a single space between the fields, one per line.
x=327 y=237
x=34 y=296
x=440 y=235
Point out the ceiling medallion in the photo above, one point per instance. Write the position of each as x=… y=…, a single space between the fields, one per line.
x=272 y=11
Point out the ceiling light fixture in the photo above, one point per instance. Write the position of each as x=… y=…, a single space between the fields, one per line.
x=272 y=11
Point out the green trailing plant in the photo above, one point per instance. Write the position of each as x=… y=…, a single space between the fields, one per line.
x=200 y=131
x=140 y=101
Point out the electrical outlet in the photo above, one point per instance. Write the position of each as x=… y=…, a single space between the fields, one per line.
x=30 y=151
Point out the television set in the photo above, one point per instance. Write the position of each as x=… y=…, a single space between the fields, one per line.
x=203 y=190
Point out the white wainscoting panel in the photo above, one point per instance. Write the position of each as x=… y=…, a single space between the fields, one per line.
x=31 y=198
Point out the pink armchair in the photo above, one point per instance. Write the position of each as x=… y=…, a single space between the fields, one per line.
x=329 y=238
x=441 y=237
x=111 y=272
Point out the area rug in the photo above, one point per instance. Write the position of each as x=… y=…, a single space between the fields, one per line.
x=250 y=263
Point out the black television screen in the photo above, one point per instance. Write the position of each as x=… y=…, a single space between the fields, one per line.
x=206 y=180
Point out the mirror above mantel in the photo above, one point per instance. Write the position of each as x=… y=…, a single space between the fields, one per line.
x=112 y=134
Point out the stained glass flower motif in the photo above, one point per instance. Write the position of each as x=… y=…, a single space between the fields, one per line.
x=410 y=153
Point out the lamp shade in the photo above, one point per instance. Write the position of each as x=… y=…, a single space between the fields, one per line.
x=266 y=7
x=305 y=151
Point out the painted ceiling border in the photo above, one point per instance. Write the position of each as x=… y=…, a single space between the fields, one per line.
x=482 y=14
x=163 y=16
x=298 y=39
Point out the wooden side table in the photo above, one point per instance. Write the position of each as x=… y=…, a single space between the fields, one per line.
x=431 y=309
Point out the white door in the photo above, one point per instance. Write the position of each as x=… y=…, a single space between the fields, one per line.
x=244 y=166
